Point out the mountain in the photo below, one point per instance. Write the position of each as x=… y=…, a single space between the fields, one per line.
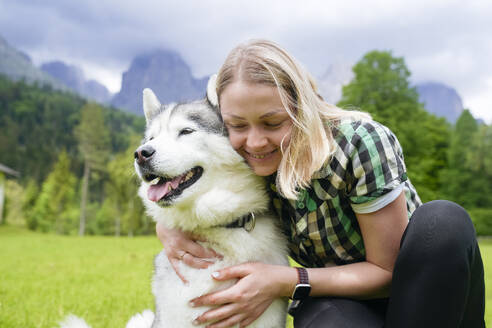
x=330 y=83
x=95 y=90
x=166 y=73
x=73 y=77
x=17 y=66
x=440 y=100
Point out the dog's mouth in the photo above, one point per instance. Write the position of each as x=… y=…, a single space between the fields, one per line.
x=164 y=188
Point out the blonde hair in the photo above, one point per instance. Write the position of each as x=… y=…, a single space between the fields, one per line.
x=311 y=143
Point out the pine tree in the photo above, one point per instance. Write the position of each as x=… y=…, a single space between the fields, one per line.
x=94 y=145
x=459 y=182
x=479 y=161
x=54 y=207
x=121 y=191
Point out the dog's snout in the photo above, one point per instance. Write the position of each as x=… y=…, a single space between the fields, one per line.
x=144 y=153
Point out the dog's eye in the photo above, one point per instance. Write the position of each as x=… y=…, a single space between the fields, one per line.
x=185 y=131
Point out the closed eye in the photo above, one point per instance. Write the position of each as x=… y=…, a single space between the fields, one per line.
x=185 y=131
x=236 y=126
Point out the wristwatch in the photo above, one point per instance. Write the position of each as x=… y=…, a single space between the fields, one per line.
x=301 y=291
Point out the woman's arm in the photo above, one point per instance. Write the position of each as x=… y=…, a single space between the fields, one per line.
x=259 y=284
x=381 y=231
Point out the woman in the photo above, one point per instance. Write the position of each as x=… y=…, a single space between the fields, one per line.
x=339 y=185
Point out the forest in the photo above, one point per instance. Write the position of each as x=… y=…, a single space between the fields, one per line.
x=75 y=157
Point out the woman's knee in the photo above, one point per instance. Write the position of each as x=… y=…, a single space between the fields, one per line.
x=439 y=229
x=447 y=214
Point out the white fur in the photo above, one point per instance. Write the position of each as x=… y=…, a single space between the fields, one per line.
x=72 y=321
x=141 y=320
x=212 y=90
x=151 y=104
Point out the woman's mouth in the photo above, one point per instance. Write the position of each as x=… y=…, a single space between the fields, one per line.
x=262 y=155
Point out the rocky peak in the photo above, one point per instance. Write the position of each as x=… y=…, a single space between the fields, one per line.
x=70 y=75
x=17 y=65
x=440 y=100
x=166 y=73
x=73 y=77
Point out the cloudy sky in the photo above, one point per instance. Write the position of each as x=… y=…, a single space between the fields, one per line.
x=445 y=41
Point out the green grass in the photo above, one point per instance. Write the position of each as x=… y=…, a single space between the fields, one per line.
x=45 y=277
x=105 y=280
x=486 y=250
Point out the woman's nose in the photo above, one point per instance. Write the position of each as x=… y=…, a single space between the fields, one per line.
x=256 y=139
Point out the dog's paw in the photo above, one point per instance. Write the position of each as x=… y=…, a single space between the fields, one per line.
x=72 y=321
x=141 y=320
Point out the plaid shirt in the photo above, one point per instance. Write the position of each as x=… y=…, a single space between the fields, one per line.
x=321 y=224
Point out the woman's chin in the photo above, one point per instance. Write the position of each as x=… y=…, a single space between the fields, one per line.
x=262 y=170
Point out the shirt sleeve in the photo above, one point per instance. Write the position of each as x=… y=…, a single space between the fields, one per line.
x=376 y=166
x=378 y=203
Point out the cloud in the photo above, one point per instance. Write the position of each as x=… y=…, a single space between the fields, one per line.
x=447 y=41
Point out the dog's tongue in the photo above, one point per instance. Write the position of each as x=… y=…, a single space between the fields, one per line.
x=158 y=191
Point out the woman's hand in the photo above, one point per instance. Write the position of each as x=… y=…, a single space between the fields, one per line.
x=257 y=287
x=183 y=246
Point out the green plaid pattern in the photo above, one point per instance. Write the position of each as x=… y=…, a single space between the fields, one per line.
x=321 y=224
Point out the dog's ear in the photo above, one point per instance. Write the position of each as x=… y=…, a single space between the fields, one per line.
x=151 y=104
x=212 y=91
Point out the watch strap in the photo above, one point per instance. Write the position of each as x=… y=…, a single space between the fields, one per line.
x=302 y=284
x=302 y=276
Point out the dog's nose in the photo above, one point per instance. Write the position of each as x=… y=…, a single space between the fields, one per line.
x=144 y=153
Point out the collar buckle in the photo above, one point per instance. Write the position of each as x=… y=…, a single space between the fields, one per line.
x=247 y=222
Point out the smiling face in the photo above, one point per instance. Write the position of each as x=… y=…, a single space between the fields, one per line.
x=257 y=123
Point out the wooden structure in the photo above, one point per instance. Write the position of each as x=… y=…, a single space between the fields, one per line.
x=3 y=171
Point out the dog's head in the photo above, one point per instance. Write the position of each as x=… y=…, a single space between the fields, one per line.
x=184 y=148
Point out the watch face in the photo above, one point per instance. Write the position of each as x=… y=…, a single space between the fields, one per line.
x=301 y=292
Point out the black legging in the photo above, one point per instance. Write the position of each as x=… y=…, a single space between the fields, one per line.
x=438 y=280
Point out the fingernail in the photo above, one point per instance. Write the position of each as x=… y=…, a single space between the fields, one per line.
x=215 y=274
x=192 y=304
x=195 y=322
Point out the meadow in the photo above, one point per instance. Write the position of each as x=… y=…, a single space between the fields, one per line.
x=105 y=280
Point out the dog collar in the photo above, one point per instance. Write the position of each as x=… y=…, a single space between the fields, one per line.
x=247 y=222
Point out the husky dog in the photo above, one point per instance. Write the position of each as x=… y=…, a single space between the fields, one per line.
x=193 y=180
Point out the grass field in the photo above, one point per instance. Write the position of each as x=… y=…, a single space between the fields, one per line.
x=105 y=280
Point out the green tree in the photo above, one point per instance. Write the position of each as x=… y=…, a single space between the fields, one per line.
x=381 y=87
x=463 y=136
x=31 y=193
x=36 y=123
x=54 y=207
x=460 y=182
x=94 y=145
x=479 y=157
x=14 y=214
x=121 y=192
x=478 y=164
